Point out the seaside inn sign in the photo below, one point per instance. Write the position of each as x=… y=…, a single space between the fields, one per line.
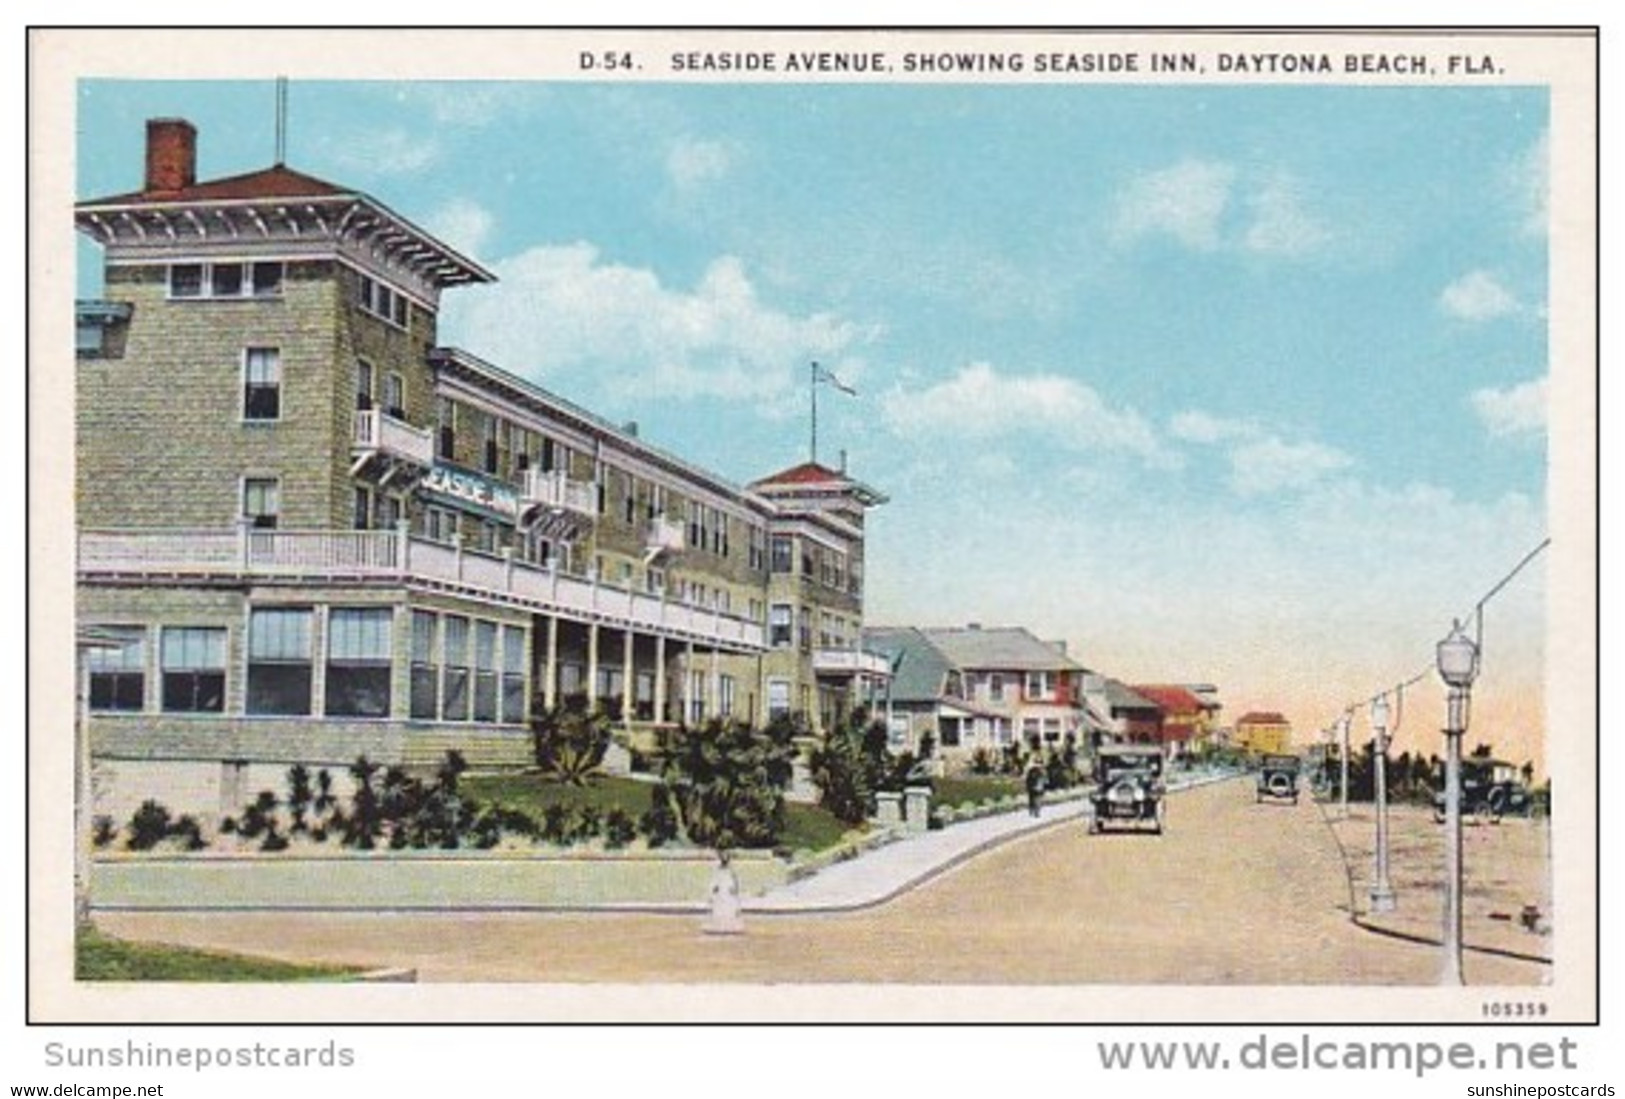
x=466 y=488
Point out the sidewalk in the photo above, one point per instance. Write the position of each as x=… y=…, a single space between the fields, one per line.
x=878 y=876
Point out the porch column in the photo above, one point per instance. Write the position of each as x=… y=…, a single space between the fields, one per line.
x=688 y=682
x=628 y=678
x=714 y=696
x=660 y=677
x=592 y=665
x=550 y=669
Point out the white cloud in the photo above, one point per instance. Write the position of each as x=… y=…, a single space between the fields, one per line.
x=1477 y=296
x=392 y=152
x=980 y=403
x=1186 y=201
x=692 y=162
x=1200 y=427
x=1208 y=206
x=564 y=309
x=1530 y=177
x=1271 y=465
x=1281 y=225
x=1516 y=412
x=1261 y=462
x=463 y=224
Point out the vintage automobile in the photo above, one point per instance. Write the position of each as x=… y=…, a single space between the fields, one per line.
x=1278 y=777
x=1128 y=787
x=1490 y=789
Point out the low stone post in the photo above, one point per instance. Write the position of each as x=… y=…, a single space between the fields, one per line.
x=889 y=808
x=917 y=808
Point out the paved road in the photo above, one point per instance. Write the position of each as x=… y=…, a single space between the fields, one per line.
x=1235 y=893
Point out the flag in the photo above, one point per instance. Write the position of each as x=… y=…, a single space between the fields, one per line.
x=822 y=375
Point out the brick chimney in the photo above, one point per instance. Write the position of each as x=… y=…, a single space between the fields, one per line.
x=171 y=154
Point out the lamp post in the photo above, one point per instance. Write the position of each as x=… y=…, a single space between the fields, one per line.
x=1343 y=751
x=1382 y=891
x=1458 y=667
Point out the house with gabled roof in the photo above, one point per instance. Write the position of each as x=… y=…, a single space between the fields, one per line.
x=1187 y=718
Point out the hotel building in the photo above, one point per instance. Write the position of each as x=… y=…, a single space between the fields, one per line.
x=320 y=534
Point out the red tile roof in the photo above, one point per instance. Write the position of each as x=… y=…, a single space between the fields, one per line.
x=277 y=182
x=807 y=473
x=1171 y=699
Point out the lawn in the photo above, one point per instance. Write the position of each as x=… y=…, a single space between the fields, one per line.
x=970 y=789
x=806 y=827
x=101 y=958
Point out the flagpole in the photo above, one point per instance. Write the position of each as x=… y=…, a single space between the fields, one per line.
x=812 y=387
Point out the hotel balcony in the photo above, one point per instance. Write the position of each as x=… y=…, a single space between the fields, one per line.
x=663 y=535
x=379 y=434
x=396 y=558
x=554 y=490
x=850 y=662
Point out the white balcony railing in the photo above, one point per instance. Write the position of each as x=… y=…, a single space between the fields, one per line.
x=663 y=535
x=850 y=662
x=327 y=555
x=553 y=489
x=376 y=430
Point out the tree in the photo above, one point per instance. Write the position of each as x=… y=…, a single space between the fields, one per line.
x=570 y=741
x=725 y=781
x=850 y=766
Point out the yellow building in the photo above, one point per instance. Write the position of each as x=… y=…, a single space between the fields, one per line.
x=1263 y=733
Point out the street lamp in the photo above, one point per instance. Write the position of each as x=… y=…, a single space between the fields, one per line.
x=1382 y=892
x=1458 y=667
x=1343 y=734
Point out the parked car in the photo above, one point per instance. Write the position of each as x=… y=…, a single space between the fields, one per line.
x=1490 y=789
x=1129 y=787
x=1278 y=778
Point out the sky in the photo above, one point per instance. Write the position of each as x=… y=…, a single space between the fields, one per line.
x=1231 y=384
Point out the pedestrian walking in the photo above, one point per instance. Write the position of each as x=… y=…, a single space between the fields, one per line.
x=1035 y=788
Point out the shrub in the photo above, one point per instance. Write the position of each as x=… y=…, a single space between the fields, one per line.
x=850 y=766
x=103 y=831
x=300 y=796
x=981 y=762
x=364 y=823
x=149 y=826
x=189 y=832
x=570 y=741
x=659 y=824
x=260 y=816
x=727 y=780
x=619 y=829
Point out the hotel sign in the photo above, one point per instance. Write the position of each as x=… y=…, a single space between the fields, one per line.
x=467 y=489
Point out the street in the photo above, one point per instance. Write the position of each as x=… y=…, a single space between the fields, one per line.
x=1235 y=893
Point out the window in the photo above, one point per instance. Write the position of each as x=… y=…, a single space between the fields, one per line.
x=425 y=703
x=778 y=698
x=513 y=675
x=186 y=280
x=439 y=525
x=261 y=502
x=363 y=385
x=194 y=667
x=362 y=511
x=279 y=666
x=358 y=661
x=780 y=625
x=262 y=384
x=758 y=549
x=488 y=440
x=118 y=676
x=454 y=695
x=696 y=697
x=995 y=687
x=948 y=729
x=897 y=733
x=389 y=512
x=446 y=412
x=725 y=696
x=1029 y=731
x=485 y=671
x=395 y=395
x=783 y=554
x=1039 y=685
x=384 y=302
x=225 y=280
